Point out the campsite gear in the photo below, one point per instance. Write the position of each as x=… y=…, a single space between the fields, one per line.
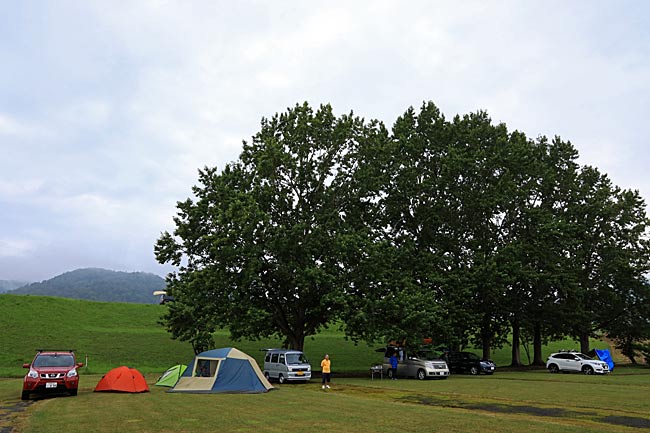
x=226 y=370
x=122 y=379
x=605 y=356
x=171 y=376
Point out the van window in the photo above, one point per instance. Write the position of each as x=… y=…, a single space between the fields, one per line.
x=281 y=361
x=274 y=357
x=296 y=358
x=267 y=358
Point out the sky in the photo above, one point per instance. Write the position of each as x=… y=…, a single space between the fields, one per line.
x=108 y=109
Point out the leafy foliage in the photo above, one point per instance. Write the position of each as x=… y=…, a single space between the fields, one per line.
x=456 y=230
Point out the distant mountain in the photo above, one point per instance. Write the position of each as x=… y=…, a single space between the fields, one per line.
x=6 y=285
x=95 y=284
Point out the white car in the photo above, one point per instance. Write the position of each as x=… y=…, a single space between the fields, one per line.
x=576 y=362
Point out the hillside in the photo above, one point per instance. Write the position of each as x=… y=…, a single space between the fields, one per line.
x=114 y=334
x=95 y=284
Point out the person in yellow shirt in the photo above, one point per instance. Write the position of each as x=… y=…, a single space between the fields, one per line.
x=325 y=367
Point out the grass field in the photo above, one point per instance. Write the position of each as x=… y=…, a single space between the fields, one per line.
x=506 y=402
x=110 y=335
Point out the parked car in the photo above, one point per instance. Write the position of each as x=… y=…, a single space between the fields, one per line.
x=468 y=362
x=286 y=365
x=421 y=363
x=576 y=362
x=52 y=372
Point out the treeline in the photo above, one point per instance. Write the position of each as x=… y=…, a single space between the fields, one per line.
x=96 y=284
x=458 y=230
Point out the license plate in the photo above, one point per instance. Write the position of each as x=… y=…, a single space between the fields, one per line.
x=50 y=385
x=300 y=373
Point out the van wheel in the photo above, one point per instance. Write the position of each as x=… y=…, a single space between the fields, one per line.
x=281 y=379
x=421 y=374
x=266 y=374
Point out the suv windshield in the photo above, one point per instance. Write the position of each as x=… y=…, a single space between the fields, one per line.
x=296 y=358
x=54 y=361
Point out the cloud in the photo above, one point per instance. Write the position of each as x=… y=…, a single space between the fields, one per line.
x=109 y=109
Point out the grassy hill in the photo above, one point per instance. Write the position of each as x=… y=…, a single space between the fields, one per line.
x=113 y=334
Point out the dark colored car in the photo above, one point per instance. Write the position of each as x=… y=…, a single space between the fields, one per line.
x=52 y=372
x=468 y=362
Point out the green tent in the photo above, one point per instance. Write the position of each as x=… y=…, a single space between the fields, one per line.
x=171 y=376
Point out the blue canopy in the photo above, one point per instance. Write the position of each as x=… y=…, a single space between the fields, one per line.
x=604 y=355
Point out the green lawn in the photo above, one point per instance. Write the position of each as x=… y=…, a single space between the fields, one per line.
x=111 y=334
x=505 y=402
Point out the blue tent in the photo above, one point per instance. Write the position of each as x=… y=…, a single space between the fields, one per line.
x=604 y=355
x=226 y=370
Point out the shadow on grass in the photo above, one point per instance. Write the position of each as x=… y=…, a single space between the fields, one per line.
x=554 y=412
x=7 y=412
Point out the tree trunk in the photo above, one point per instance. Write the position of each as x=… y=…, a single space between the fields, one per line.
x=516 y=343
x=584 y=342
x=486 y=337
x=538 y=359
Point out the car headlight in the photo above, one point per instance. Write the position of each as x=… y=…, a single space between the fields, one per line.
x=72 y=373
x=33 y=374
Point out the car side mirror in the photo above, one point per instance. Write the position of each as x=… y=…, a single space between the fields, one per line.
x=26 y=365
x=80 y=364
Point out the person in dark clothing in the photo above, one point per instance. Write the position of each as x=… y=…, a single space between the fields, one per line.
x=393 y=364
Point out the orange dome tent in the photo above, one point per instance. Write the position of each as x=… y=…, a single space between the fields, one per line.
x=122 y=379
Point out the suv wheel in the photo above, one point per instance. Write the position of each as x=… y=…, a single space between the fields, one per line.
x=421 y=374
x=73 y=392
x=281 y=379
x=587 y=369
x=553 y=368
x=24 y=395
x=473 y=370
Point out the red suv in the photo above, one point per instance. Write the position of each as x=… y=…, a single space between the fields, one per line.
x=52 y=371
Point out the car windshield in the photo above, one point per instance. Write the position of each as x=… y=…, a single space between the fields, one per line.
x=427 y=355
x=583 y=356
x=296 y=358
x=54 y=361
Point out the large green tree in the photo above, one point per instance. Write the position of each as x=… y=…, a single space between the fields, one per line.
x=609 y=255
x=262 y=246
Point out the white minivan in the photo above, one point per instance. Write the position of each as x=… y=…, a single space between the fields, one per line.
x=286 y=365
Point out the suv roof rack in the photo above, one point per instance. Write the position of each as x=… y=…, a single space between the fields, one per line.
x=55 y=350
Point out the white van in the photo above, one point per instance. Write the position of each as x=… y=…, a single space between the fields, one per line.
x=286 y=365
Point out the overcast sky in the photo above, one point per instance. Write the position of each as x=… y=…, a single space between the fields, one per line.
x=109 y=108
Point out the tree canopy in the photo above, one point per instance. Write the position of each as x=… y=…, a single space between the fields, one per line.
x=456 y=230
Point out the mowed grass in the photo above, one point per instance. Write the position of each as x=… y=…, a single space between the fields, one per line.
x=108 y=335
x=112 y=334
x=505 y=402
